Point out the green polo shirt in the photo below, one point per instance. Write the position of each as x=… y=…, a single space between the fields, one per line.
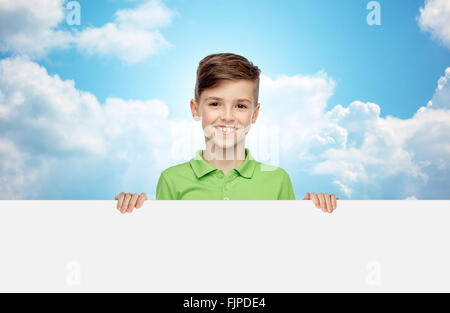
x=199 y=180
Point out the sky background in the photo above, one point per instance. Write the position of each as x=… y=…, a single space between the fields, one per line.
x=88 y=111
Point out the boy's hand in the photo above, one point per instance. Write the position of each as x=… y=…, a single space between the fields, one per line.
x=127 y=201
x=324 y=201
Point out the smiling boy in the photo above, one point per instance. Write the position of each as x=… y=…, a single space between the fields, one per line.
x=226 y=103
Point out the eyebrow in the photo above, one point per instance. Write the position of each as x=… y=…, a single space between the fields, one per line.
x=217 y=98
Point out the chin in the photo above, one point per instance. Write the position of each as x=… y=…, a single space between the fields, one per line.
x=224 y=145
x=227 y=144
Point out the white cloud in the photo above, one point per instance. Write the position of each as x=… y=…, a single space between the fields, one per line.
x=132 y=37
x=130 y=46
x=365 y=155
x=441 y=98
x=416 y=150
x=31 y=28
x=298 y=101
x=49 y=128
x=16 y=183
x=435 y=18
x=149 y=15
x=26 y=29
x=43 y=106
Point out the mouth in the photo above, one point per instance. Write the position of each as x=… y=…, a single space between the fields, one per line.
x=226 y=130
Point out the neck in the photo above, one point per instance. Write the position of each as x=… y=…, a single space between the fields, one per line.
x=225 y=159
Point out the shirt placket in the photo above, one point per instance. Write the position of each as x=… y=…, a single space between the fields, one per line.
x=226 y=184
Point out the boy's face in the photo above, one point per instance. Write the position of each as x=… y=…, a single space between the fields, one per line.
x=229 y=104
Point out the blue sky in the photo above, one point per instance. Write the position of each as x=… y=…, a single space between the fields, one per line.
x=387 y=71
x=284 y=37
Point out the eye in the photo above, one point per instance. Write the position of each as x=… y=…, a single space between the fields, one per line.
x=214 y=104
x=242 y=106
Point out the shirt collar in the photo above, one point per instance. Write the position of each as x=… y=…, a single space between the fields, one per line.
x=201 y=167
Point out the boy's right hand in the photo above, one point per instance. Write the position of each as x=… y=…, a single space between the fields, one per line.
x=128 y=201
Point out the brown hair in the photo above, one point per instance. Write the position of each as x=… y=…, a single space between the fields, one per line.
x=225 y=66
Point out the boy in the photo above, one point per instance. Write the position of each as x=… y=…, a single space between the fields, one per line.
x=226 y=102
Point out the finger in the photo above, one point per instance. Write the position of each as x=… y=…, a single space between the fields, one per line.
x=322 y=202
x=141 y=200
x=132 y=203
x=124 y=207
x=315 y=200
x=328 y=202
x=333 y=201
x=120 y=197
x=307 y=196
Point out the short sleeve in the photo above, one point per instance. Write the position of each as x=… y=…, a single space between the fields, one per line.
x=163 y=190
x=286 y=190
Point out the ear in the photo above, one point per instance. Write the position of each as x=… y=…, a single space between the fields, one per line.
x=255 y=113
x=195 y=110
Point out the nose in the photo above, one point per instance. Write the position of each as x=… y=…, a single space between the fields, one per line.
x=227 y=114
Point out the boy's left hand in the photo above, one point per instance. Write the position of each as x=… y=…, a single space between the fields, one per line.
x=324 y=201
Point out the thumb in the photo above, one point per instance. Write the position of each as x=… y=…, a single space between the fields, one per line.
x=307 y=196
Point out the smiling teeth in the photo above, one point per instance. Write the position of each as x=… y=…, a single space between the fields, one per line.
x=227 y=129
